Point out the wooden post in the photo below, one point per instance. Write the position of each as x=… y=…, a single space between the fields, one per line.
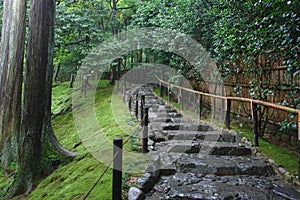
x=299 y=145
x=200 y=99
x=160 y=90
x=117 y=169
x=168 y=93
x=255 y=124
x=123 y=92
x=145 y=131
x=142 y=107
x=129 y=102
x=227 y=118
x=137 y=105
x=298 y=159
x=180 y=98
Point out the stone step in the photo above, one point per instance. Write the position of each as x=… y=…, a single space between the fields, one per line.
x=185 y=126
x=164 y=120
x=171 y=163
x=182 y=120
x=155 y=115
x=203 y=147
x=150 y=97
x=200 y=135
x=172 y=120
x=153 y=102
x=162 y=108
x=224 y=165
x=197 y=186
x=213 y=136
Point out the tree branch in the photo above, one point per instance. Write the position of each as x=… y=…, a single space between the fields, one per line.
x=126 y=7
x=71 y=43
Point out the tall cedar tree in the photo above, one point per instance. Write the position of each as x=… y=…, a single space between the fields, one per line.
x=11 y=70
x=36 y=142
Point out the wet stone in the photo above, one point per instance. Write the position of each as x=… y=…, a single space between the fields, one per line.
x=221 y=166
x=146 y=182
x=211 y=148
x=282 y=170
x=213 y=136
x=135 y=194
x=192 y=161
x=185 y=126
x=181 y=120
x=181 y=187
x=164 y=120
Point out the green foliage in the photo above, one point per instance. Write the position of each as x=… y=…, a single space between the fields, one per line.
x=245 y=39
x=258 y=36
x=79 y=27
x=83 y=25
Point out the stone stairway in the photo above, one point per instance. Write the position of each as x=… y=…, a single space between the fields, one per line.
x=196 y=161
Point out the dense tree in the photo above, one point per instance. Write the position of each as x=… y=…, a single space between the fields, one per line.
x=80 y=26
x=247 y=39
x=254 y=38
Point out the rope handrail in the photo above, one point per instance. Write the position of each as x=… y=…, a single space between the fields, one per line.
x=285 y=108
x=100 y=177
x=249 y=100
x=111 y=161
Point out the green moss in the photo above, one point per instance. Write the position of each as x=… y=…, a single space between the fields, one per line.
x=6 y=179
x=61 y=97
x=73 y=180
x=281 y=156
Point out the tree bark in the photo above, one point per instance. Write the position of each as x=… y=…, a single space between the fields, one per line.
x=72 y=78
x=11 y=69
x=113 y=77
x=56 y=72
x=50 y=145
x=33 y=102
x=36 y=136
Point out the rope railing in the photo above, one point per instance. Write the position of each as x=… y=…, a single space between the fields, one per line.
x=288 y=109
x=249 y=100
x=253 y=103
x=100 y=177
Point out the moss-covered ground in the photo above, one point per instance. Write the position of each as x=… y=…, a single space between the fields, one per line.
x=73 y=180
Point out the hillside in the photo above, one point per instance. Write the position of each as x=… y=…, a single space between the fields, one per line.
x=74 y=179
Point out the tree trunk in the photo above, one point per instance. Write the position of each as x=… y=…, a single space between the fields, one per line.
x=36 y=135
x=114 y=32
x=50 y=145
x=72 y=80
x=113 y=76
x=140 y=55
x=11 y=70
x=56 y=72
